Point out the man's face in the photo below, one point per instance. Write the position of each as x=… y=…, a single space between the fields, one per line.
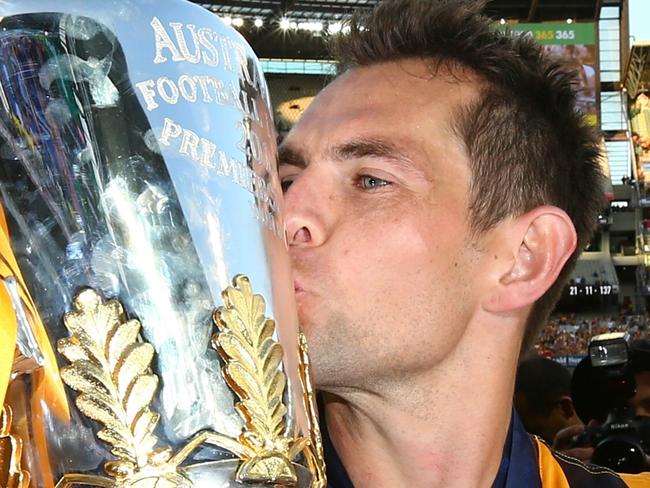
x=377 y=221
x=545 y=425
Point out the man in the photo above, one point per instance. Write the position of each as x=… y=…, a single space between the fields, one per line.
x=543 y=397
x=639 y=366
x=437 y=192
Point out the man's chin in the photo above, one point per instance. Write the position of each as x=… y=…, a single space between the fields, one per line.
x=312 y=342
x=305 y=318
x=306 y=327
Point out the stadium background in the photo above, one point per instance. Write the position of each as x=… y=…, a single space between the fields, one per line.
x=610 y=287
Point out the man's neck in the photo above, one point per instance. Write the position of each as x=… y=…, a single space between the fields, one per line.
x=446 y=429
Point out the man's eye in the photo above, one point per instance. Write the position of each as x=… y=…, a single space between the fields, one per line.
x=286 y=183
x=366 y=182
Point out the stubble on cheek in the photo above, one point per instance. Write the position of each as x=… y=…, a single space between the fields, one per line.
x=335 y=350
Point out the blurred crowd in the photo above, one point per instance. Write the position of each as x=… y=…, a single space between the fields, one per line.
x=569 y=334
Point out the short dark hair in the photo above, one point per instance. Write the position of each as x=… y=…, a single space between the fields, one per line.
x=527 y=144
x=542 y=382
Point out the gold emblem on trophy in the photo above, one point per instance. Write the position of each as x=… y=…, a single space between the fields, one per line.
x=111 y=370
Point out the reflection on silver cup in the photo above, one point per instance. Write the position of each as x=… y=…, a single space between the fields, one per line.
x=139 y=194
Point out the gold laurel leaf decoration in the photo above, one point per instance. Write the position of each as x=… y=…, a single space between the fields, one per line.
x=252 y=369
x=11 y=447
x=124 y=336
x=110 y=369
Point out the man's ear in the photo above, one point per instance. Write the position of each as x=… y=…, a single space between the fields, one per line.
x=565 y=403
x=537 y=246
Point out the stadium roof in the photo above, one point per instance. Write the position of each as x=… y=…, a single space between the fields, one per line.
x=307 y=22
x=332 y=10
x=637 y=72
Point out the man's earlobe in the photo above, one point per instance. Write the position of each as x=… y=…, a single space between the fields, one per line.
x=542 y=241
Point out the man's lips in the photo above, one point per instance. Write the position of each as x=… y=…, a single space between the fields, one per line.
x=302 y=298
x=302 y=290
x=298 y=288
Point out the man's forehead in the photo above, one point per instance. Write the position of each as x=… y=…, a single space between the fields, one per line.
x=412 y=74
x=402 y=86
x=390 y=97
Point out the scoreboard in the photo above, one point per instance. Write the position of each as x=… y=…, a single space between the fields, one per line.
x=591 y=290
x=588 y=297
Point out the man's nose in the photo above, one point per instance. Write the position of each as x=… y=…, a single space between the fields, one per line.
x=308 y=212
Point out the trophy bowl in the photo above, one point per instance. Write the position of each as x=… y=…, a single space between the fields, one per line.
x=146 y=289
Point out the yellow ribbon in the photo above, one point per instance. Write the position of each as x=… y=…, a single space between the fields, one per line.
x=8 y=327
x=47 y=382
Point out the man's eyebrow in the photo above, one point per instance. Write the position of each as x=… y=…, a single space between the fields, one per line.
x=291 y=156
x=369 y=148
x=379 y=149
x=365 y=147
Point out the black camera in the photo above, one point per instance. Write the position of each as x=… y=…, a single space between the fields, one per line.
x=602 y=386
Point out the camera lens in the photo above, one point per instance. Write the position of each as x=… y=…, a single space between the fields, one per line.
x=620 y=454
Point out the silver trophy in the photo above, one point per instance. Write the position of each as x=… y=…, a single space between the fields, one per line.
x=148 y=325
